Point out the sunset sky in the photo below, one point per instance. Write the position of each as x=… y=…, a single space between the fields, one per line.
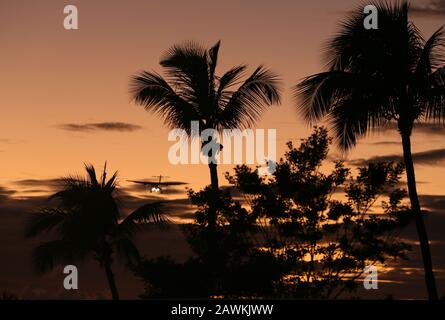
x=62 y=92
x=52 y=78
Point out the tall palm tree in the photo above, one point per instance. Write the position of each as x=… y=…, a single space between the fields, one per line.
x=378 y=77
x=192 y=91
x=87 y=220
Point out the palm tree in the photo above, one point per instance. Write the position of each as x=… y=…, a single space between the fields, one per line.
x=87 y=220
x=191 y=91
x=378 y=77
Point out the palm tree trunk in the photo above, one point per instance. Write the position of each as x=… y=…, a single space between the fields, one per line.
x=111 y=281
x=214 y=175
x=212 y=237
x=215 y=186
x=420 y=225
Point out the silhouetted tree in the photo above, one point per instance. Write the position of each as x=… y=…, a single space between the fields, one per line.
x=192 y=91
x=86 y=220
x=292 y=236
x=325 y=242
x=226 y=261
x=379 y=76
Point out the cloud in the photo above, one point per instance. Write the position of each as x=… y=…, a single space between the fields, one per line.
x=429 y=8
x=429 y=157
x=6 y=141
x=100 y=126
x=181 y=209
x=430 y=128
x=5 y=193
x=36 y=186
x=385 y=143
x=38 y=182
x=11 y=141
x=31 y=193
x=423 y=128
x=433 y=202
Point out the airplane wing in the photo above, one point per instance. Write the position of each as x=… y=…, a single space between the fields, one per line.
x=145 y=183
x=172 y=183
x=156 y=183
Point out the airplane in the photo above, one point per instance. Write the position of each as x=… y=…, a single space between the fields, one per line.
x=155 y=186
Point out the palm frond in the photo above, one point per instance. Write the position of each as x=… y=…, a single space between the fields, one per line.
x=350 y=122
x=435 y=102
x=317 y=93
x=44 y=221
x=127 y=251
x=150 y=213
x=394 y=44
x=87 y=202
x=253 y=97
x=50 y=254
x=345 y=44
x=103 y=177
x=229 y=79
x=73 y=192
x=187 y=69
x=155 y=94
x=347 y=100
x=91 y=171
x=213 y=60
x=370 y=77
x=111 y=184
x=432 y=56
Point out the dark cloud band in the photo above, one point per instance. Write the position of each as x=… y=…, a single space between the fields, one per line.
x=100 y=126
x=429 y=157
x=429 y=8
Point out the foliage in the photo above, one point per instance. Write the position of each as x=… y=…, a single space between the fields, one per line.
x=193 y=91
x=323 y=225
x=86 y=220
x=375 y=77
x=301 y=233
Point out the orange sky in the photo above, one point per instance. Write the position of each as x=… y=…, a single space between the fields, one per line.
x=50 y=77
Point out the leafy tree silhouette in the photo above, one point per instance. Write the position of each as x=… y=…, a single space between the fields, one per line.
x=325 y=242
x=86 y=220
x=292 y=236
x=226 y=262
